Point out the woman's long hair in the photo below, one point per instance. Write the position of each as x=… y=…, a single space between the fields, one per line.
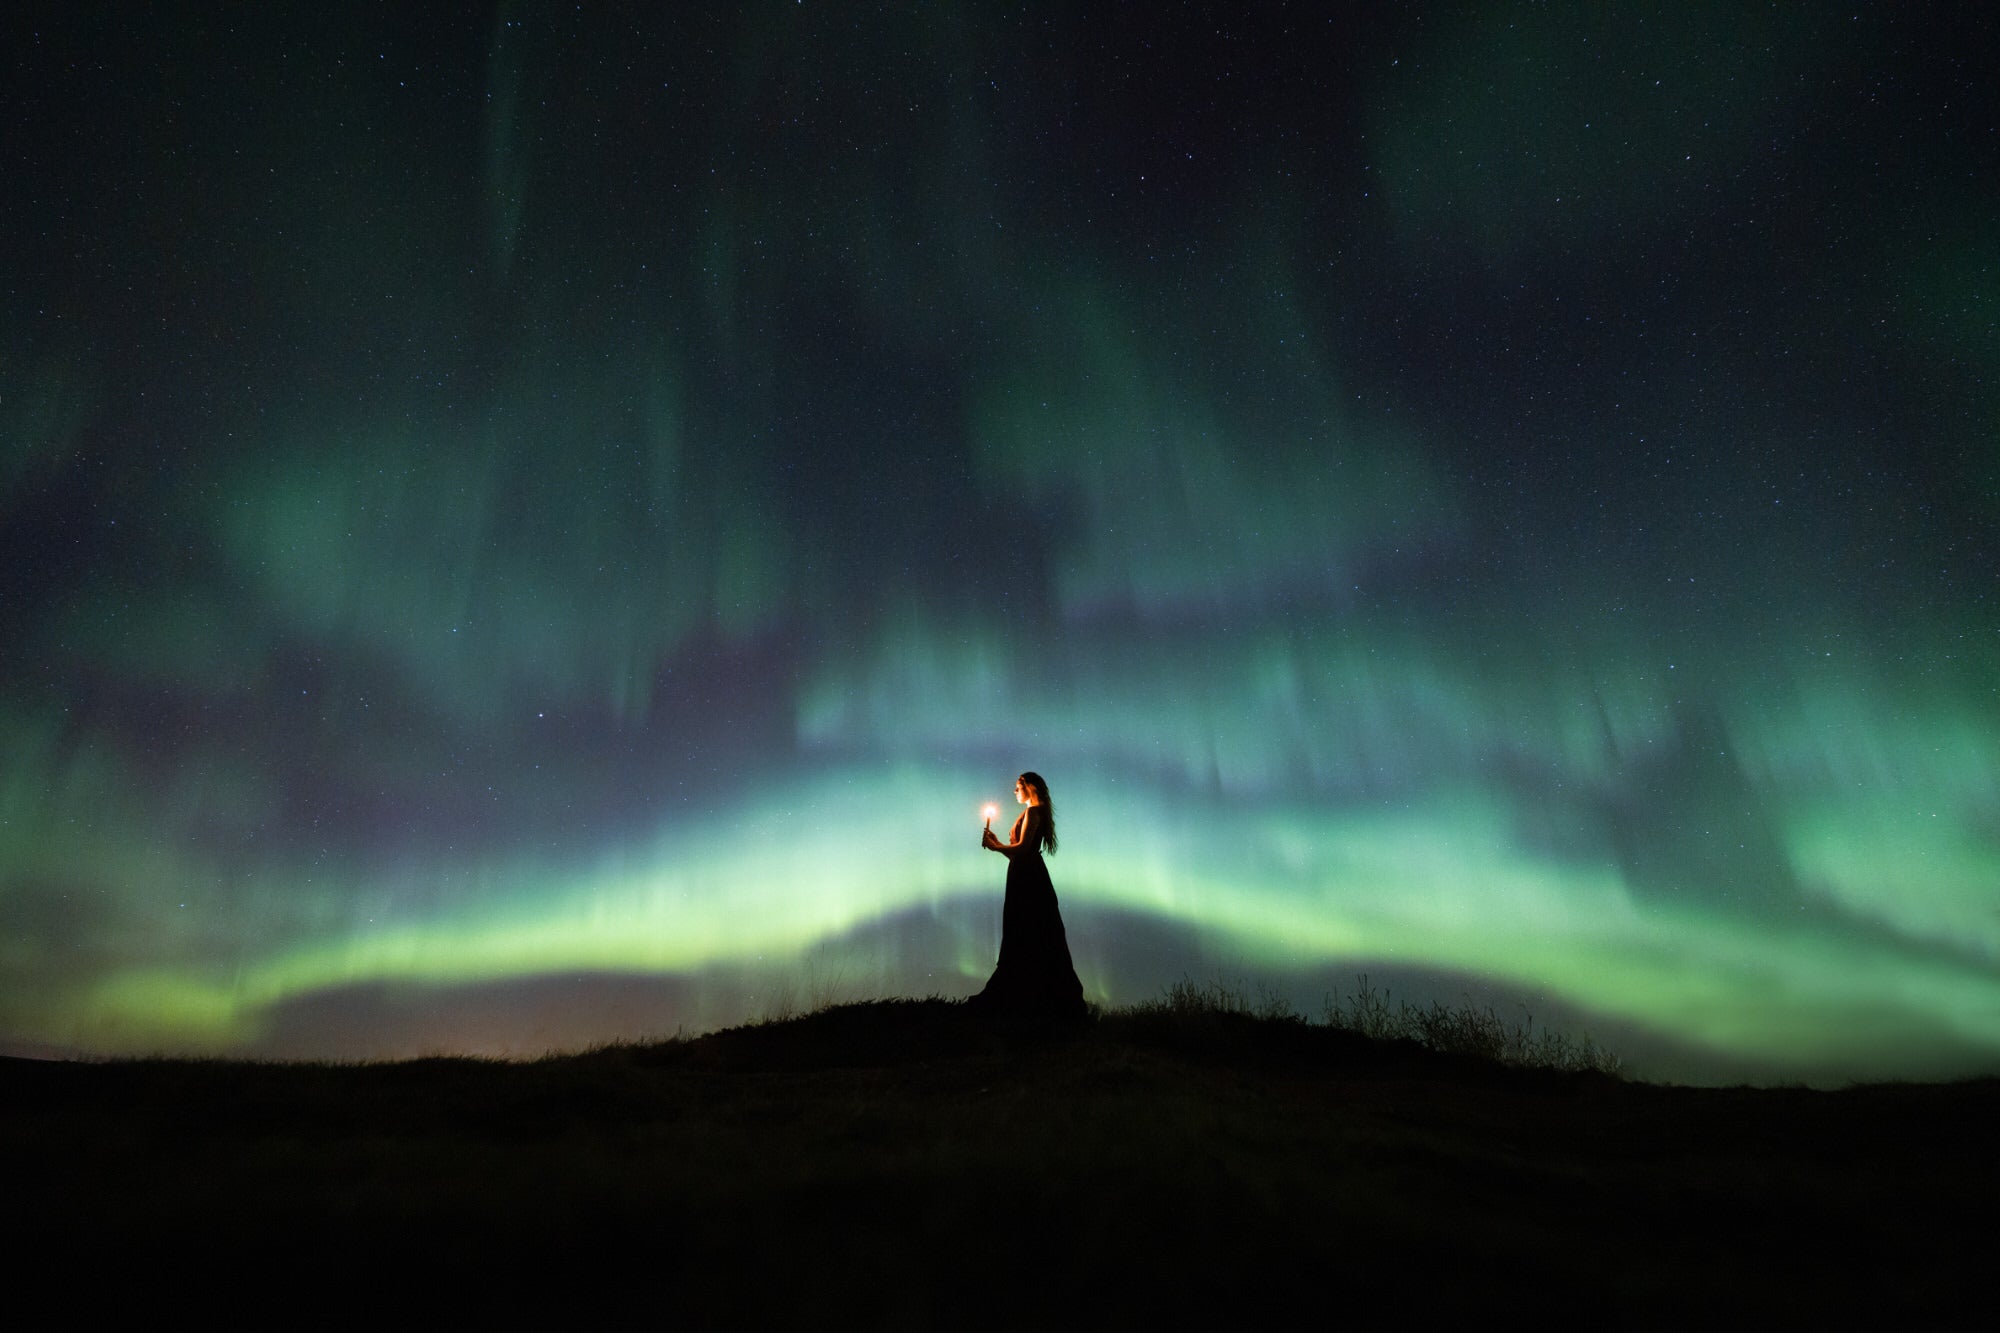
x=1048 y=820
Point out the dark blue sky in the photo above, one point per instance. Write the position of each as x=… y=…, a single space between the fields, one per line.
x=499 y=504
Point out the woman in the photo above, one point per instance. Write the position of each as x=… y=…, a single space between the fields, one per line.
x=1035 y=977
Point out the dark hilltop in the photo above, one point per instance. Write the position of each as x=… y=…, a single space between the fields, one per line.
x=896 y=1163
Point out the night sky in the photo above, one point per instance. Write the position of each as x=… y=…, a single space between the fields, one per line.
x=532 y=525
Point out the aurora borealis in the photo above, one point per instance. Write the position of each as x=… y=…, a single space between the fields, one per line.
x=538 y=524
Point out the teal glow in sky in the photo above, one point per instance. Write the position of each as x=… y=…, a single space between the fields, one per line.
x=529 y=527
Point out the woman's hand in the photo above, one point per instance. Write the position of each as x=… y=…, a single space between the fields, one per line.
x=988 y=841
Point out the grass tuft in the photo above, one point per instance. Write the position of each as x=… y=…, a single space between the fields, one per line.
x=1468 y=1029
x=1188 y=998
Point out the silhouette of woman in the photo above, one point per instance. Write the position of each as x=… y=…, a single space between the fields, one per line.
x=1034 y=978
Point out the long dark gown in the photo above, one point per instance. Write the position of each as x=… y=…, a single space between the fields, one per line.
x=1035 y=977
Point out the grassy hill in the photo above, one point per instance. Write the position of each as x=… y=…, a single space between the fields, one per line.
x=898 y=1163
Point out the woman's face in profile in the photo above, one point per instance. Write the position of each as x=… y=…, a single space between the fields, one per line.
x=1020 y=791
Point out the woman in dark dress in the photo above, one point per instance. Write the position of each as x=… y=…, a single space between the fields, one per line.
x=1035 y=978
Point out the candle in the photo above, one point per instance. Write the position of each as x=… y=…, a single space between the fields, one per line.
x=990 y=811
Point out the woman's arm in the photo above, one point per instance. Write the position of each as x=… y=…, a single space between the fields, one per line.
x=1030 y=835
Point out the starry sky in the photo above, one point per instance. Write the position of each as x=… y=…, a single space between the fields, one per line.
x=534 y=524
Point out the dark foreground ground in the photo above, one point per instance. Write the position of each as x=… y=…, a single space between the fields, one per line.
x=896 y=1164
